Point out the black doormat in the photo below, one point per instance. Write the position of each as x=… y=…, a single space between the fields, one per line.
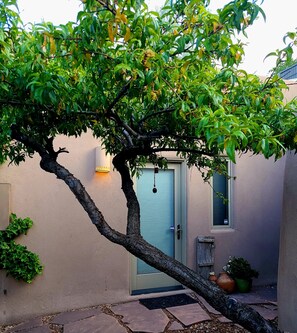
x=167 y=301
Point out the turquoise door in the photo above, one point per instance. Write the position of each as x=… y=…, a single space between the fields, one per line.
x=161 y=225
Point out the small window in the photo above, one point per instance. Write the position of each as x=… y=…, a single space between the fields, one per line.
x=221 y=199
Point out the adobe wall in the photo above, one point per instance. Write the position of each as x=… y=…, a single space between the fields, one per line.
x=256 y=215
x=287 y=279
x=287 y=276
x=83 y=269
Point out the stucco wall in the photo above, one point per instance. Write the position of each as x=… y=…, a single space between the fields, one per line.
x=256 y=214
x=82 y=268
x=287 y=275
x=287 y=280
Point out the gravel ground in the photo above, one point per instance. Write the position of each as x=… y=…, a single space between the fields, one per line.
x=214 y=326
x=211 y=326
x=204 y=327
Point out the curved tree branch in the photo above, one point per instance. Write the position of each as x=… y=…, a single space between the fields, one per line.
x=106 y=5
x=119 y=96
x=185 y=150
x=49 y=164
x=228 y=306
x=155 y=114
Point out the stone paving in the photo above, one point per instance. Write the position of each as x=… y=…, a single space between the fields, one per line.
x=134 y=317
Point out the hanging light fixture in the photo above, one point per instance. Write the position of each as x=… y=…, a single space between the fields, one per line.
x=156 y=170
x=102 y=160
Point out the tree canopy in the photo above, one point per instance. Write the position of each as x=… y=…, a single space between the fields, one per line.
x=141 y=79
x=143 y=82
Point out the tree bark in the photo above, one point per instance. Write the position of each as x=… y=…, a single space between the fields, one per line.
x=136 y=245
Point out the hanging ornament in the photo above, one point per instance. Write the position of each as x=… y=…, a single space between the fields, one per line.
x=156 y=170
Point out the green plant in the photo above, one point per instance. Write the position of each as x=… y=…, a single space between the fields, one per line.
x=240 y=268
x=16 y=259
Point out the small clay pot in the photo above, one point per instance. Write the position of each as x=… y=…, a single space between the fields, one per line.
x=212 y=277
x=226 y=283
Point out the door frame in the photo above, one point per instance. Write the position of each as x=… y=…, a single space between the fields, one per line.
x=182 y=216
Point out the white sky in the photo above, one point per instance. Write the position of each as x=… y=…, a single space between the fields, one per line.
x=263 y=38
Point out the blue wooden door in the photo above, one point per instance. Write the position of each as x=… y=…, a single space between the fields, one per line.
x=160 y=225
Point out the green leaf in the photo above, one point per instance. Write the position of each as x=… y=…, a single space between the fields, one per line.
x=149 y=77
x=265 y=146
x=122 y=67
x=230 y=149
x=181 y=42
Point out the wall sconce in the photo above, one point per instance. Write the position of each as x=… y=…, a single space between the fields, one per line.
x=102 y=160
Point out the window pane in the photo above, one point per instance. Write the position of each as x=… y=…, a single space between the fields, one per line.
x=220 y=200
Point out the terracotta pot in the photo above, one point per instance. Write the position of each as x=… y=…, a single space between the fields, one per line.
x=225 y=282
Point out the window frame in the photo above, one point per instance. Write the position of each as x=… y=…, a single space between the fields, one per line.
x=229 y=198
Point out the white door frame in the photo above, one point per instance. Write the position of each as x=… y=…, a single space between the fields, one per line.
x=161 y=281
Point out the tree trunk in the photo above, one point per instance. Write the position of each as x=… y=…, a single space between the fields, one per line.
x=228 y=306
x=135 y=244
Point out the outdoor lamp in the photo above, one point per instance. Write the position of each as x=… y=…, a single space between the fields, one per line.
x=102 y=160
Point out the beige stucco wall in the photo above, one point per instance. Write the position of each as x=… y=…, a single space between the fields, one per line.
x=287 y=275
x=81 y=267
x=287 y=279
x=256 y=215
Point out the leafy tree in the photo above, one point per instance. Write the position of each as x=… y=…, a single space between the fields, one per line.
x=144 y=83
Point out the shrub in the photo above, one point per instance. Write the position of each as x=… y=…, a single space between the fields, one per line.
x=16 y=259
x=240 y=268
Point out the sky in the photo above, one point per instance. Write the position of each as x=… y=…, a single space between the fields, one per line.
x=263 y=37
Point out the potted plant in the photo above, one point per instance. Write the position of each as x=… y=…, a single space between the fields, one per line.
x=242 y=272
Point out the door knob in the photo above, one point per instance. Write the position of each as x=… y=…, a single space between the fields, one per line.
x=178 y=230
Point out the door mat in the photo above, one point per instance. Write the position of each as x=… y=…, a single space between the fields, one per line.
x=167 y=301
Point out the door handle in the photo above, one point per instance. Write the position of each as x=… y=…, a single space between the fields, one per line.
x=178 y=231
